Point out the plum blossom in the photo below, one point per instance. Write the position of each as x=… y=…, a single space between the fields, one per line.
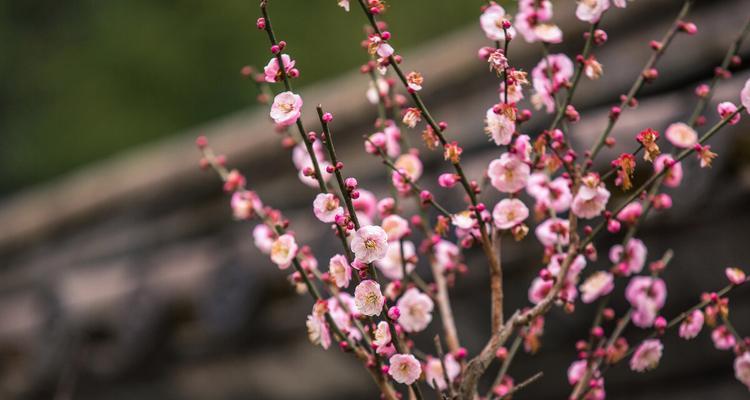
x=621 y=3
x=509 y=213
x=539 y=289
x=410 y=165
x=576 y=371
x=533 y=22
x=646 y=295
x=499 y=126
x=434 y=374
x=317 y=328
x=370 y=243
x=599 y=284
x=392 y=264
x=508 y=173
x=727 y=108
x=263 y=237
x=344 y=4
x=340 y=271
x=416 y=310
x=368 y=299
x=591 y=10
x=286 y=108
x=395 y=226
x=404 y=368
x=557 y=66
x=326 y=207
x=633 y=259
x=647 y=356
x=591 y=198
x=681 y=135
x=377 y=90
x=692 y=325
x=244 y=204
x=735 y=275
x=631 y=212
x=382 y=334
x=272 y=72
x=283 y=250
x=492 y=20
x=366 y=206
x=673 y=176
x=723 y=338
x=553 y=231
x=447 y=254
x=745 y=96
x=553 y=194
x=742 y=368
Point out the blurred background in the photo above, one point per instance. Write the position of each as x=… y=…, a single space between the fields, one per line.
x=123 y=276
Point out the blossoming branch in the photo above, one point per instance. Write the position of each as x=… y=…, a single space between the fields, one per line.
x=368 y=299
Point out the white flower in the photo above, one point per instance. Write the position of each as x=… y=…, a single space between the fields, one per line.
x=404 y=368
x=283 y=250
x=326 y=207
x=369 y=244
x=286 y=108
x=509 y=213
x=368 y=298
x=416 y=310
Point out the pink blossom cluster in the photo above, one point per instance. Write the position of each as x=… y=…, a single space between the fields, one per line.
x=372 y=299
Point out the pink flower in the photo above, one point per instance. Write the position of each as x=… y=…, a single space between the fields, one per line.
x=576 y=371
x=368 y=299
x=631 y=213
x=416 y=310
x=509 y=213
x=434 y=374
x=727 y=108
x=561 y=70
x=742 y=368
x=377 y=90
x=326 y=207
x=735 y=275
x=591 y=10
x=340 y=271
x=553 y=231
x=283 y=251
x=264 y=238
x=272 y=71
x=370 y=243
x=621 y=3
x=646 y=295
x=555 y=194
x=392 y=264
x=634 y=258
x=411 y=165
x=244 y=204
x=591 y=199
x=382 y=334
x=366 y=205
x=681 y=135
x=286 y=108
x=447 y=254
x=508 y=173
x=395 y=226
x=492 y=20
x=532 y=21
x=745 y=96
x=499 y=126
x=576 y=266
x=723 y=338
x=463 y=219
x=691 y=326
x=317 y=329
x=539 y=289
x=598 y=284
x=404 y=368
x=647 y=356
x=673 y=176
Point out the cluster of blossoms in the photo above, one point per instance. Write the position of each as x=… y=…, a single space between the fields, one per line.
x=370 y=300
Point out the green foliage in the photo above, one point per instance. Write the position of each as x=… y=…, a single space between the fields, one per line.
x=83 y=79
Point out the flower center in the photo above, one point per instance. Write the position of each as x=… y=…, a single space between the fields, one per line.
x=370 y=244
